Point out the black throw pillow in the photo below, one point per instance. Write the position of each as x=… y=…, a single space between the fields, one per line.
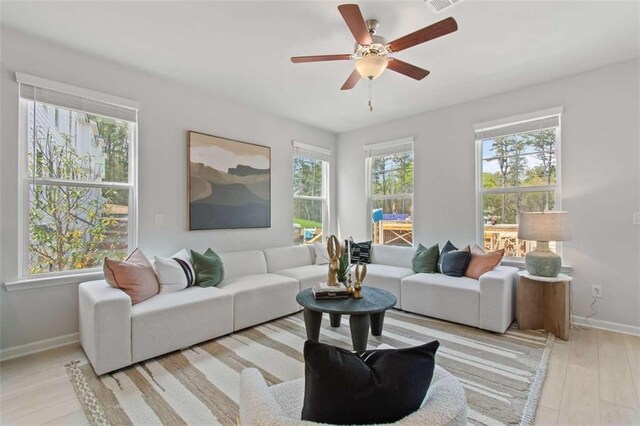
x=369 y=387
x=455 y=263
x=446 y=249
x=360 y=252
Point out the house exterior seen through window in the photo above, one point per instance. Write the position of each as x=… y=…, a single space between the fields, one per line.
x=390 y=174
x=77 y=186
x=519 y=172
x=310 y=194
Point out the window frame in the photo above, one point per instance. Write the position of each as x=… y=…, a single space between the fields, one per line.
x=24 y=180
x=387 y=149
x=316 y=154
x=480 y=191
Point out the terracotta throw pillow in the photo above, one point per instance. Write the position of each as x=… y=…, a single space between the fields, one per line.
x=482 y=262
x=134 y=276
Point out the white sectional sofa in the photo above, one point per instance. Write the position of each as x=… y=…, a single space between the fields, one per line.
x=261 y=285
x=487 y=303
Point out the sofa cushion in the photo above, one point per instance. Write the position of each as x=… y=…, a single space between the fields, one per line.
x=446 y=249
x=387 y=278
x=172 y=321
x=392 y=255
x=184 y=259
x=436 y=295
x=240 y=263
x=482 y=262
x=260 y=298
x=173 y=274
x=381 y=386
x=360 y=252
x=209 y=268
x=135 y=276
x=426 y=259
x=322 y=254
x=308 y=275
x=287 y=257
x=455 y=262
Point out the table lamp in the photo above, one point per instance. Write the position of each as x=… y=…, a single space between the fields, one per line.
x=543 y=227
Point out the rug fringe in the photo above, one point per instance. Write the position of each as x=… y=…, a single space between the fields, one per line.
x=88 y=401
x=531 y=406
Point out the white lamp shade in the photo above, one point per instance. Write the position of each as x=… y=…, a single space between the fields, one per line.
x=544 y=226
x=371 y=66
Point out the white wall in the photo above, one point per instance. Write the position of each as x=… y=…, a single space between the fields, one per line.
x=168 y=110
x=599 y=171
x=600 y=178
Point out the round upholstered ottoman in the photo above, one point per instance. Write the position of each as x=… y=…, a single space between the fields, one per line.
x=281 y=404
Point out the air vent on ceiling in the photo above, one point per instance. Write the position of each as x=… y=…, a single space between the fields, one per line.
x=440 y=5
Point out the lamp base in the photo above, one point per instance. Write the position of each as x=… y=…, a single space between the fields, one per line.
x=542 y=262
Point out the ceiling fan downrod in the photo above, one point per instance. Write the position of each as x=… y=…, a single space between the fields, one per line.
x=370 y=94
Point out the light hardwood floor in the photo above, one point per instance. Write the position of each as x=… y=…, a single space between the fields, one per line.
x=592 y=379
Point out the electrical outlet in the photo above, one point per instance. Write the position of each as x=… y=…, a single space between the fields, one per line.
x=596 y=291
x=636 y=218
x=157 y=219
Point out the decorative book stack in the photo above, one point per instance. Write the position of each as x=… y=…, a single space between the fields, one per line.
x=322 y=291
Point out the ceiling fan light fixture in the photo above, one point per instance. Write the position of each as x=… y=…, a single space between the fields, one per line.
x=371 y=66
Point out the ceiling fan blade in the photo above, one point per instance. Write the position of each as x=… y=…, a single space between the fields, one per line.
x=351 y=81
x=436 y=30
x=407 y=69
x=353 y=17
x=320 y=58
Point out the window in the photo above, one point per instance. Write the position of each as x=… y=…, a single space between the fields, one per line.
x=78 y=179
x=390 y=188
x=310 y=193
x=518 y=165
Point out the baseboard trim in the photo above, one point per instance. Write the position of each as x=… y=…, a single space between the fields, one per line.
x=39 y=346
x=607 y=325
x=67 y=339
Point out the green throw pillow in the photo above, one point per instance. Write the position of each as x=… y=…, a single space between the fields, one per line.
x=426 y=259
x=209 y=268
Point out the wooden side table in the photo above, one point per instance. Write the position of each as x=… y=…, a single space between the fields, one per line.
x=544 y=303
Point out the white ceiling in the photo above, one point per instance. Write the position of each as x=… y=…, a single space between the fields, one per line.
x=239 y=50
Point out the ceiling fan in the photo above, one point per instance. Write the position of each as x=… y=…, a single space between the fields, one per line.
x=372 y=51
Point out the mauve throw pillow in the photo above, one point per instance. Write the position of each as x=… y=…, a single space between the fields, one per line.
x=369 y=387
x=482 y=262
x=134 y=276
x=455 y=262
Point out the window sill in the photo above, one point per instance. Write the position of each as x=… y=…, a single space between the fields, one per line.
x=519 y=263
x=52 y=281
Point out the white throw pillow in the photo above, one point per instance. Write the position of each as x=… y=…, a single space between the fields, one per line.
x=322 y=254
x=171 y=275
x=183 y=260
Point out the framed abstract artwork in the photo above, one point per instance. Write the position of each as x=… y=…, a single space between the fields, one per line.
x=229 y=183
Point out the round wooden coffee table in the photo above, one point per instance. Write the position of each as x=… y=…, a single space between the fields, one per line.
x=363 y=313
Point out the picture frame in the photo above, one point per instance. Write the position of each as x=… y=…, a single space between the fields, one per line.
x=229 y=183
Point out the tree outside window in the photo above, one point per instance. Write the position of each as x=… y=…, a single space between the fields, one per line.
x=309 y=199
x=519 y=174
x=78 y=188
x=392 y=198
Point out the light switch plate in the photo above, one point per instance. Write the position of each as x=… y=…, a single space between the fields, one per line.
x=636 y=218
x=157 y=219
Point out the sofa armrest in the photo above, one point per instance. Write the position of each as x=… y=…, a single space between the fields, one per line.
x=497 y=298
x=105 y=325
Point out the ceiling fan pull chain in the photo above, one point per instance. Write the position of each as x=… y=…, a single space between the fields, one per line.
x=370 y=94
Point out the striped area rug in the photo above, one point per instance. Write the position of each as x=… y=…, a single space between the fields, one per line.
x=502 y=374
